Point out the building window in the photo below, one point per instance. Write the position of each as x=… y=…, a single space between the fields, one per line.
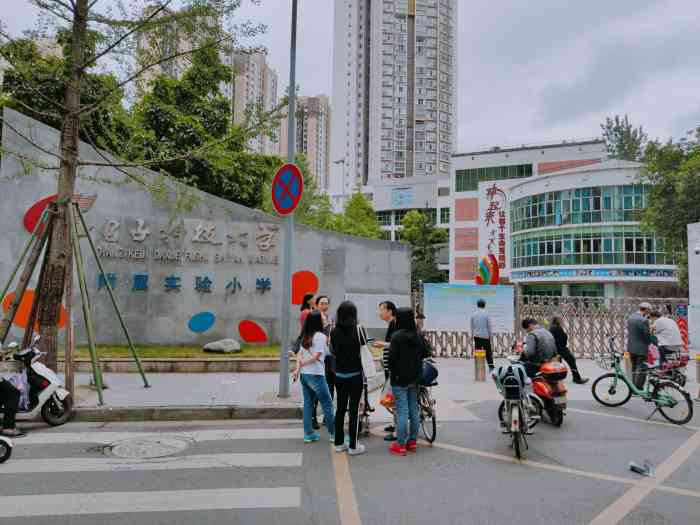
x=621 y=245
x=469 y=179
x=384 y=218
x=399 y=215
x=444 y=215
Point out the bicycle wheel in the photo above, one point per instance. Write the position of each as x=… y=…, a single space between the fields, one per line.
x=673 y=402
x=427 y=416
x=611 y=390
x=518 y=444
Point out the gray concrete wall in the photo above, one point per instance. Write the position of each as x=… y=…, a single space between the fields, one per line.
x=235 y=250
x=694 y=285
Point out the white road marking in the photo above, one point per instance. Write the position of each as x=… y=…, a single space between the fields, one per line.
x=111 y=464
x=56 y=438
x=150 y=501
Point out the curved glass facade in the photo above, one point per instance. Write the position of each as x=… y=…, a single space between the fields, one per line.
x=587 y=245
x=580 y=206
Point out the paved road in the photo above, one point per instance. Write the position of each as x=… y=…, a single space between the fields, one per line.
x=261 y=473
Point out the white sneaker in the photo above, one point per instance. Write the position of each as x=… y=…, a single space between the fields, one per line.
x=359 y=449
x=341 y=448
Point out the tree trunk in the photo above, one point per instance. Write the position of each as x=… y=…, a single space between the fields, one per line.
x=60 y=243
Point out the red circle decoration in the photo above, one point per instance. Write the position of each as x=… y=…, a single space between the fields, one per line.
x=251 y=332
x=287 y=189
x=303 y=282
x=25 y=310
x=33 y=214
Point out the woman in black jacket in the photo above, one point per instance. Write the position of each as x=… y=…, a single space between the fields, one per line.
x=562 y=340
x=345 y=345
x=405 y=363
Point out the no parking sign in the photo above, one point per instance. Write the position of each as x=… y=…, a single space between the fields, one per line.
x=287 y=189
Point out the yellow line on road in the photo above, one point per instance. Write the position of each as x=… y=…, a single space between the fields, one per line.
x=617 y=511
x=630 y=418
x=345 y=492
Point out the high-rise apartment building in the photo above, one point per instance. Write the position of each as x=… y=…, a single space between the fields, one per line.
x=393 y=99
x=312 y=137
x=254 y=82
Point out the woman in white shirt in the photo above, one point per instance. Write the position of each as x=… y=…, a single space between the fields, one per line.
x=311 y=370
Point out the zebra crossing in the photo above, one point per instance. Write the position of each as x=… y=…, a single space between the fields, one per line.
x=220 y=460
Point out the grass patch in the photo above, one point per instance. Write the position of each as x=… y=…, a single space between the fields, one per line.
x=172 y=352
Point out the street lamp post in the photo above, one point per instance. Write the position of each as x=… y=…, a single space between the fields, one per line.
x=289 y=222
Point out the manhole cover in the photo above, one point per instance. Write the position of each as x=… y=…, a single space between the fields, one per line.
x=147 y=448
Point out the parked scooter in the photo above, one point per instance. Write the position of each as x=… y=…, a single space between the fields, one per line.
x=550 y=392
x=5 y=449
x=47 y=396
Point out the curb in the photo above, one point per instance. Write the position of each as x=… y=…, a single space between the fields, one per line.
x=184 y=413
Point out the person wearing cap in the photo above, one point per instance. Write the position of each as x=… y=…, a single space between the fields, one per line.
x=638 y=341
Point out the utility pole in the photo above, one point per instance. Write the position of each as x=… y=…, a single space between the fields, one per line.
x=289 y=221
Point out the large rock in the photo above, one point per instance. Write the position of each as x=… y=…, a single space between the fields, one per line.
x=225 y=346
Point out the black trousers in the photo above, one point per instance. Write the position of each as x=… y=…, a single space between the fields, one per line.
x=9 y=400
x=570 y=359
x=484 y=344
x=349 y=391
x=639 y=370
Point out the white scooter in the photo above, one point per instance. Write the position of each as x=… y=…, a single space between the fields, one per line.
x=47 y=397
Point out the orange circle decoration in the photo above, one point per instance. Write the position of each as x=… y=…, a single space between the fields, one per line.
x=25 y=309
x=303 y=282
x=251 y=332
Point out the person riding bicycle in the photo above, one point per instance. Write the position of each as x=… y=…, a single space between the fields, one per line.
x=540 y=347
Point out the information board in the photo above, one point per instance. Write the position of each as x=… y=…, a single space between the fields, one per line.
x=368 y=307
x=448 y=307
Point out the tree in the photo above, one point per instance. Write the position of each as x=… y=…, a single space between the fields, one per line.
x=359 y=218
x=623 y=140
x=98 y=34
x=419 y=231
x=187 y=114
x=673 y=173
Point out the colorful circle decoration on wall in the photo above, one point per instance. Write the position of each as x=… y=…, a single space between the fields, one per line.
x=25 y=310
x=33 y=214
x=488 y=270
x=303 y=282
x=251 y=332
x=201 y=322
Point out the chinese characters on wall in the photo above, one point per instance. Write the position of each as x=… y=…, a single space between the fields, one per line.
x=495 y=219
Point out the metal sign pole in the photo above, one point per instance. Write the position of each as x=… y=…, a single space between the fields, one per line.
x=289 y=223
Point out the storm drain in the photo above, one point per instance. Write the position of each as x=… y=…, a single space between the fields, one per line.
x=148 y=448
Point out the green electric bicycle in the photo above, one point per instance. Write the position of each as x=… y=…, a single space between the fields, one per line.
x=615 y=388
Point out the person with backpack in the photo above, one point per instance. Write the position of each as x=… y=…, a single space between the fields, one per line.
x=406 y=352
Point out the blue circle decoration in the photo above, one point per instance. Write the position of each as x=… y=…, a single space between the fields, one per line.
x=201 y=322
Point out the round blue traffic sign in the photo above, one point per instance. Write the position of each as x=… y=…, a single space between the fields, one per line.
x=287 y=189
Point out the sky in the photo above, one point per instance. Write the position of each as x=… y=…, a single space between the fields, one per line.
x=528 y=71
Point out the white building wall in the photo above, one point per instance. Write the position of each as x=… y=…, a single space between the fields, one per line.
x=694 y=285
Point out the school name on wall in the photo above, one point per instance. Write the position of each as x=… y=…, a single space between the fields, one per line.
x=197 y=242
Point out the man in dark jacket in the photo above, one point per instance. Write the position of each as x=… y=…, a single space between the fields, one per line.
x=638 y=341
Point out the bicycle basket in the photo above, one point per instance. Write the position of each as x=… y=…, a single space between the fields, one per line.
x=512 y=388
x=604 y=359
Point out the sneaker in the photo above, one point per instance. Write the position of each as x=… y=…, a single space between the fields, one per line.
x=332 y=438
x=341 y=448
x=389 y=428
x=359 y=449
x=412 y=445
x=581 y=380
x=397 y=450
x=13 y=433
x=390 y=437
x=310 y=438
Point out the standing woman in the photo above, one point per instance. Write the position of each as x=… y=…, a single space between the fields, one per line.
x=405 y=362
x=307 y=306
x=346 y=342
x=562 y=340
x=313 y=381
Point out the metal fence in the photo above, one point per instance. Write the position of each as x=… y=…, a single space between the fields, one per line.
x=588 y=321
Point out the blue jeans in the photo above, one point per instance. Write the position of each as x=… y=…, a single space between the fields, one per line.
x=315 y=387
x=406 y=402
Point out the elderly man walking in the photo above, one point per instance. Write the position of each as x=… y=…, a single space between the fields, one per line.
x=638 y=341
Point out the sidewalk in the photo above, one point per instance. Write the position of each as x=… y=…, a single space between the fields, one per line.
x=216 y=396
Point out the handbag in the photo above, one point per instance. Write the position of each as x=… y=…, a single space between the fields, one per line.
x=368 y=366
